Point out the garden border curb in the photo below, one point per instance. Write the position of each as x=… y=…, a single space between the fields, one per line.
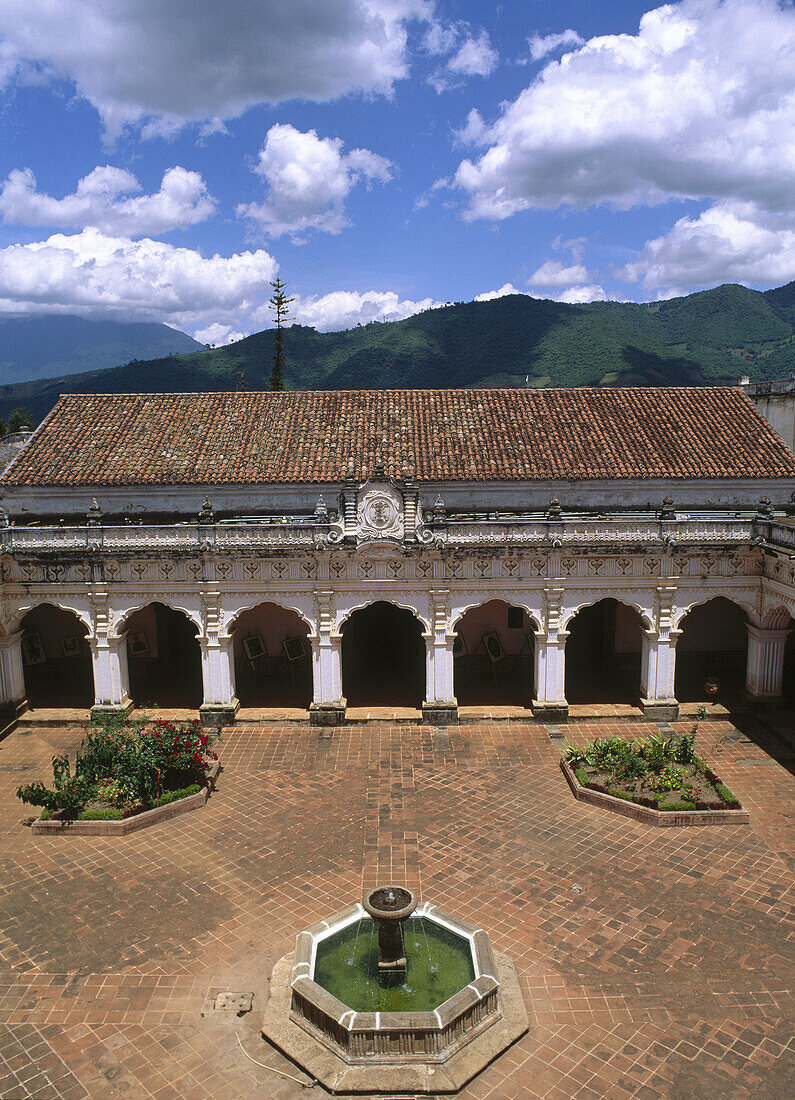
x=130 y=824
x=660 y=818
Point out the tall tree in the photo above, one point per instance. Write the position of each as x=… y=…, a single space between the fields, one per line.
x=280 y=305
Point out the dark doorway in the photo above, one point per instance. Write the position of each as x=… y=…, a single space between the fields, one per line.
x=163 y=658
x=493 y=657
x=383 y=657
x=788 y=681
x=603 y=654
x=273 y=659
x=56 y=659
x=713 y=646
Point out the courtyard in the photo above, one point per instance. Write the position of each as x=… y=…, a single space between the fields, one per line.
x=653 y=963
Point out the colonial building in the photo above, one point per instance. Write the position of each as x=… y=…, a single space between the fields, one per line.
x=409 y=548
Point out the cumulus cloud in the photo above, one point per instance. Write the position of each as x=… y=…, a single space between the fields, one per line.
x=92 y=274
x=470 y=54
x=346 y=308
x=308 y=180
x=728 y=242
x=506 y=288
x=218 y=335
x=549 y=43
x=554 y=273
x=135 y=60
x=699 y=104
x=580 y=295
x=99 y=201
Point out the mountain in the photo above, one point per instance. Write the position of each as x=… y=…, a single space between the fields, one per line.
x=708 y=338
x=57 y=345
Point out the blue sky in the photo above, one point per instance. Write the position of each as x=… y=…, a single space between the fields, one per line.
x=165 y=161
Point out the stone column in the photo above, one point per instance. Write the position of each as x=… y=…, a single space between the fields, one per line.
x=13 y=699
x=658 y=661
x=220 y=704
x=440 y=707
x=328 y=703
x=765 y=668
x=108 y=658
x=111 y=682
x=550 y=663
x=657 y=669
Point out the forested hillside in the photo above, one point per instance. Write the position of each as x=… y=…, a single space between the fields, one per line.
x=708 y=338
x=56 y=345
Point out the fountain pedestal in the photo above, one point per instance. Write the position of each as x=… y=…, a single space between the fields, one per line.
x=389 y=906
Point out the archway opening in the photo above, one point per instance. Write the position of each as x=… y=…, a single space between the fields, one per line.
x=788 y=681
x=603 y=654
x=493 y=656
x=383 y=657
x=163 y=658
x=273 y=660
x=56 y=658
x=712 y=649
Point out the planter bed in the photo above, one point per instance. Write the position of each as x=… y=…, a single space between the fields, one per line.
x=55 y=825
x=595 y=794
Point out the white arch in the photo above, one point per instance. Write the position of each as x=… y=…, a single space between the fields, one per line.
x=345 y=615
x=232 y=619
x=643 y=612
x=81 y=614
x=683 y=612
x=119 y=628
x=533 y=614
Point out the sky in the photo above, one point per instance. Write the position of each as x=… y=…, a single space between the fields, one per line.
x=167 y=161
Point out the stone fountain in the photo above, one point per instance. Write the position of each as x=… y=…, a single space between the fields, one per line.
x=394 y=996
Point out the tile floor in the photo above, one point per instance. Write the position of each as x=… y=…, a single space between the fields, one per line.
x=654 y=963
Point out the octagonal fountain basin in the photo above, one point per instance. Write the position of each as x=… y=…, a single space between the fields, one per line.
x=426 y=1027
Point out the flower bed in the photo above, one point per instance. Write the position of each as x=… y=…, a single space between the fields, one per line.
x=662 y=775
x=123 y=770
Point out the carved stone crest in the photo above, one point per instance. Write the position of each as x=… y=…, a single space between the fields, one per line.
x=380 y=512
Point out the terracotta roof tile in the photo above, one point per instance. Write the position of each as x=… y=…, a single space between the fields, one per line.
x=437 y=435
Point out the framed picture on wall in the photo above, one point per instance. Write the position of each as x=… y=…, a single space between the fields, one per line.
x=460 y=646
x=493 y=646
x=32 y=650
x=70 y=647
x=138 y=644
x=294 y=648
x=254 y=647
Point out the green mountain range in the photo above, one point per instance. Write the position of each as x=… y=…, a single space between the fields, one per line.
x=58 y=344
x=708 y=338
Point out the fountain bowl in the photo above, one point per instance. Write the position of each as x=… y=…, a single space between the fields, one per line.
x=433 y=1051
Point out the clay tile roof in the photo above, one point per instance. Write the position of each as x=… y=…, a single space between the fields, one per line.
x=436 y=435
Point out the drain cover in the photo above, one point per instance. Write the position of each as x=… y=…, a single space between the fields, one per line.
x=239 y=1003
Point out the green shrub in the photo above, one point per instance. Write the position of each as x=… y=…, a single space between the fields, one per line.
x=666 y=806
x=104 y=813
x=668 y=779
x=616 y=793
x=582 y=776
x=174 y=796
x=658 y=751
x=577 y=755
x=631 y=768
x=726 y=795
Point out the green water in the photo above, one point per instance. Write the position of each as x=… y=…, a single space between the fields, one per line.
x=439 y=963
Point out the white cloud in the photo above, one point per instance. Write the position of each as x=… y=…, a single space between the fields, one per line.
x=579 y=295
x=541 y=46
x=218 y=335
x=506 y=288
x=554 y=273
x=98 y=201
x=470 y=54
x=475 y=57
x=92 y=274
x=137 y=59
x=700 y=103
x=308 y=179
x=345 y=308
x=728 y=242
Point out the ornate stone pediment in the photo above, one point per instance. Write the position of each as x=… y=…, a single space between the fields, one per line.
x=380 y=512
